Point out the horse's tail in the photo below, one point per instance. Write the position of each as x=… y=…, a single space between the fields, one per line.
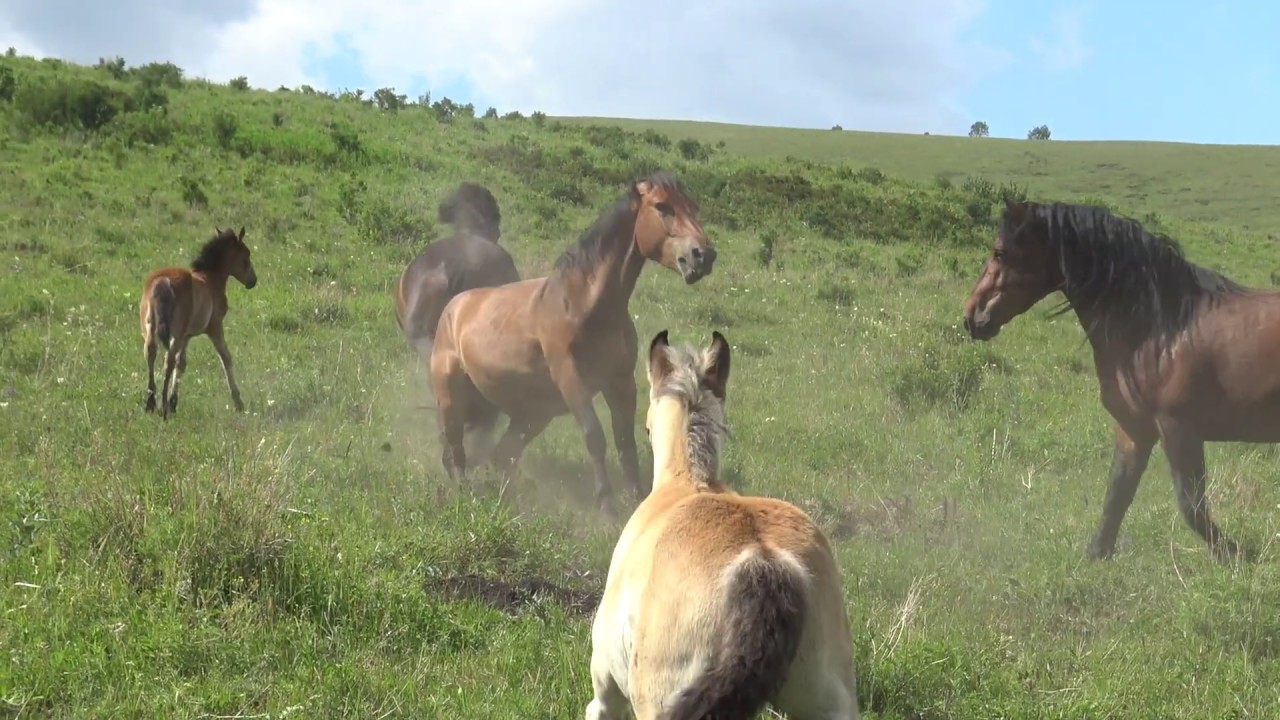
x=163 y=302
x=767 y=602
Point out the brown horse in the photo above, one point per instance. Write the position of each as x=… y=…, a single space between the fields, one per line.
x=179 y=304
x=540 y=348
x=1183 y=354
x=469 y=258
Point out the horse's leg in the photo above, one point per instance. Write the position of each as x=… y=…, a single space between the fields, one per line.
x=1128 y=463
x=220 y=344
x=578 y=399
x=1186 y=464
x=620 y=395
x=449 y=385
x=179 y=370
x=519 y=433
x=170 y=367
x=607 y=700
x=150 y=346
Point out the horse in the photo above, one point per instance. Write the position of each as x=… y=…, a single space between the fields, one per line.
x=715 y=603
x=178 y=304
x=469 y=258
x=1183 y=354
x=544 y=347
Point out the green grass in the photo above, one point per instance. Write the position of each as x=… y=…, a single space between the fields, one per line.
x=310 y=559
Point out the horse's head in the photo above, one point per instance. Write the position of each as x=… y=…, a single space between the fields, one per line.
x=472 y=208
x=238 y=263
x=667 y=227
x=1021 y=271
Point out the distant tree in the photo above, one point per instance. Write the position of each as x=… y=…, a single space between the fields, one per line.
x=837 y=128
x=1038 y=133
x=239 y=82
x=979 y=129
x=388 y=100
x=491 y=114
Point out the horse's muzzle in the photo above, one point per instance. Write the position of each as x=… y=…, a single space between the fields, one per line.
x=980 y=327
x=697 y=263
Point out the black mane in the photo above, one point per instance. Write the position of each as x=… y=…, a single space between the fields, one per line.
x=593 y=244
x=472 y=208
x=213 y=253
x=1130 y=282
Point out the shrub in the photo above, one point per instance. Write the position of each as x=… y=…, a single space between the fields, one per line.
x=71 y=103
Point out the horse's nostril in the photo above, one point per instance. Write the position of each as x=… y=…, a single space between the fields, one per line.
x=697 y=253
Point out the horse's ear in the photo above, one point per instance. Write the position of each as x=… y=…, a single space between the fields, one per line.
x=640 y=188
x=716 y=373
x=242 y=233
x=659 y=361
x=1014 y=209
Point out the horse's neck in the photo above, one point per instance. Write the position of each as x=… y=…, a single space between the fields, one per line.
x=673 y=464
x=215 y=280
x=614 y=279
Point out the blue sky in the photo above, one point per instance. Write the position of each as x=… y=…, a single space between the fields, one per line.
x=1183 y=71
x=1179 y=71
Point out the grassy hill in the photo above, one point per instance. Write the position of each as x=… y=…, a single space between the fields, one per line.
x=310 y=558
x=1231 y=184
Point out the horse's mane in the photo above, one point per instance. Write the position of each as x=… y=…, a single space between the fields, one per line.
x=213 y=253
x=1130 y=281
x=707 y=428
x=472 y=208
x=594 y=243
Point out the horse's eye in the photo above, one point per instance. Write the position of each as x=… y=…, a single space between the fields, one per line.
x=664 y=208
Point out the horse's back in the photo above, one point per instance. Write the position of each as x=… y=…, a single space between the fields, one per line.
x=721 y=567
x=443 y=271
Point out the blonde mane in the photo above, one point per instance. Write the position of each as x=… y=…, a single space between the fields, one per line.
x=705 y=428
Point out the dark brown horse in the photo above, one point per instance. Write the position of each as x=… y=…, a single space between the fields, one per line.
x=537 y=349
x=179 y=304
x=469 y=258
x=1183 y=354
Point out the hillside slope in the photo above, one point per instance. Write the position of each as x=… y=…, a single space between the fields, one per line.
x=310 y=558
x=1230 y=184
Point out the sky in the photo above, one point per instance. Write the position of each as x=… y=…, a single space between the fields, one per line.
x=1179 y=70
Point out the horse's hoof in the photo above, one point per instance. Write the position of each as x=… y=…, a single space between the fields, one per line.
x=150 y=405
x=1225 y=551
x=1097 y=551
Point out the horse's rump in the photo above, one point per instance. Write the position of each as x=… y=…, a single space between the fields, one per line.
x=766 y=604
x=163 y=302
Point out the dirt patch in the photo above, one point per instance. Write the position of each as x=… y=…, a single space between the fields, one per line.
x=521 y=596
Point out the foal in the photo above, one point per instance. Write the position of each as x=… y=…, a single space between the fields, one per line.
x=179 y=304
x=715 y=603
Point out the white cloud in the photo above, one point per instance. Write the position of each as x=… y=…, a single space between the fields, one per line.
x=884 y=66
x=1067 y=49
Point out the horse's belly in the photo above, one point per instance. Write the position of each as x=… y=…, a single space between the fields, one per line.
x=512 y=376
x=1259 y=423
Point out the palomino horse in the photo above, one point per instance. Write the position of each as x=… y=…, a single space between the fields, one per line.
x=469 y=258
x=179 y=304
x=1183 y=354
x=540 y=348
x=715 y=603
